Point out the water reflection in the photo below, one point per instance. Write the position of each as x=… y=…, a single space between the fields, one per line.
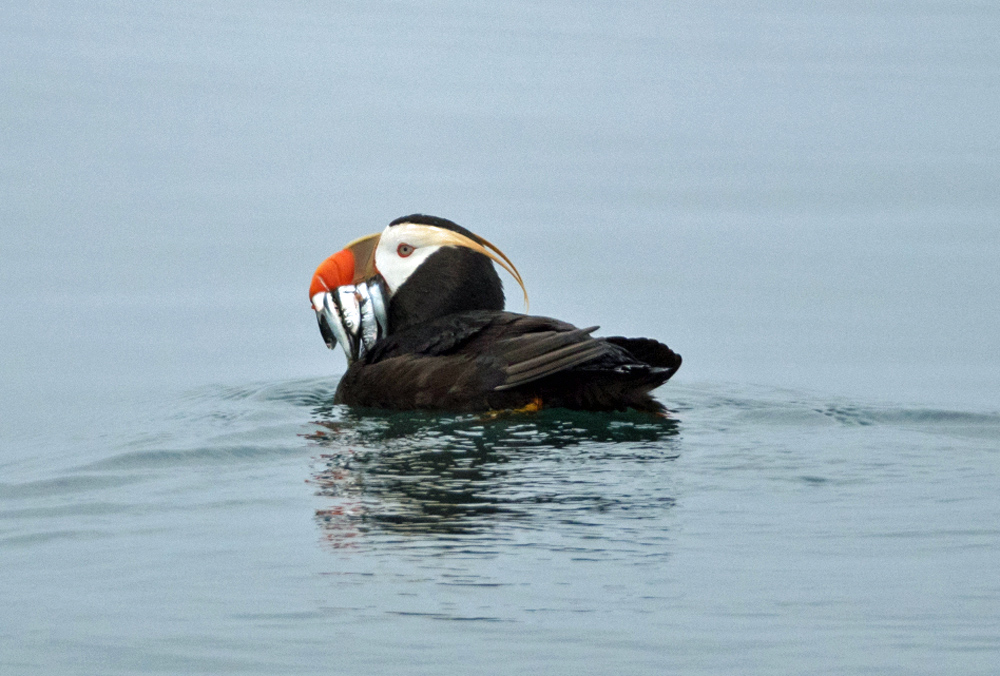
x=390 y=475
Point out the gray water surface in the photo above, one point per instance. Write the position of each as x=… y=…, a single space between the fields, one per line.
x=803 y=201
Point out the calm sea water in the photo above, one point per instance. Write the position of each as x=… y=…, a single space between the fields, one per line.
x=801 y=201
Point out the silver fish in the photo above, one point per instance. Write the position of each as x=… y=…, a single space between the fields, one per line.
x=368 y=332
x=354 y=316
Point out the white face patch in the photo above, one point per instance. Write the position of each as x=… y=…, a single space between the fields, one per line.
x=396 y=268
x=404 y=247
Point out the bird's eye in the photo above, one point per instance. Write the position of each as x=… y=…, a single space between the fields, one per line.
x=404 y=250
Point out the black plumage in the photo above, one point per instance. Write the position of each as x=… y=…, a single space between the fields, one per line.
x=452 y=280
x=483 y=360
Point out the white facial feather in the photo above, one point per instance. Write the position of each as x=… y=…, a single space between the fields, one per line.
x=396 y=269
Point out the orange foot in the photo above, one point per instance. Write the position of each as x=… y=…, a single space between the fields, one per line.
x=534 y=406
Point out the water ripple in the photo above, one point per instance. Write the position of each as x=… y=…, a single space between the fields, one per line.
x=722 y=407
x=157 y=458
x=64 y=485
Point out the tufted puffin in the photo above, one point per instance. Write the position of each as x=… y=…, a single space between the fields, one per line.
x=430 y=304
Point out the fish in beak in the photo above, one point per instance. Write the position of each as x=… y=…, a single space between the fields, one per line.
x=354 y=263
x=349 y=299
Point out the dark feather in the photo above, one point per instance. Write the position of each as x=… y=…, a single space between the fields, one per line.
x=493 y=360
x=538 y=355
x=452 y=280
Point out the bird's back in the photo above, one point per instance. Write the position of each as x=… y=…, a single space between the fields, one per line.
x=483 y=360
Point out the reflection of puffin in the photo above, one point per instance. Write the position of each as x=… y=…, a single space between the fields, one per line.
x=449 y=345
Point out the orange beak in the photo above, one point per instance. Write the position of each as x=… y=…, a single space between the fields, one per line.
x=355 y=263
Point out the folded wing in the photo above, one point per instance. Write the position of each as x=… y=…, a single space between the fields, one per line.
x=497 y=360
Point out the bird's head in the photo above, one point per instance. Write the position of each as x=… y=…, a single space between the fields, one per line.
x=427 y=266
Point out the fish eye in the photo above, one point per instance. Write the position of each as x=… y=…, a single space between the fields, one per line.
x=404 y=250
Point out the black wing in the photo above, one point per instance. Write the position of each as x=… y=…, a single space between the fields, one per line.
x=495 y=360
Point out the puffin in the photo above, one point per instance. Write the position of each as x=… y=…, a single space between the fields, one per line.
x=443 y=340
